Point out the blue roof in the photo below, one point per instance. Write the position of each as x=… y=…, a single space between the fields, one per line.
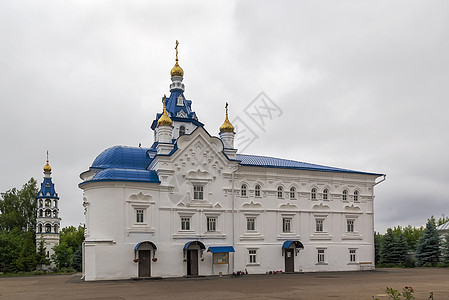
x=272 y=162
x=173 y=109
x=114 y=174
x=123 y=157
x=221 y=249
x=47 y=189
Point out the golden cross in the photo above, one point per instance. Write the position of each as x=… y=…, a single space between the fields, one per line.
x=226 y=108
x=47 y=155
x=165 y=100
x=176 y=48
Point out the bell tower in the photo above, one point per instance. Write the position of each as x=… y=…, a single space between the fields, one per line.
x=47 y=219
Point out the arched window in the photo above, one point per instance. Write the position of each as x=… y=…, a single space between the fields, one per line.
x=56 y=228
x=345 y=195
x=41 y=203
x=47 y=203
x=48 y=213
x=325 y=194
x=313 y=194
x=55 y=214
x=182 y=130
x=48 y=228
x=41 y=213
x=40 y=228
x=292 y=192
x=257 y=191
x=56 y=203
x=356 y=196
x=280 y=192
x=243 y=190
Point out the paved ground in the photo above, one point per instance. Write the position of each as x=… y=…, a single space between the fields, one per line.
x=341 y=285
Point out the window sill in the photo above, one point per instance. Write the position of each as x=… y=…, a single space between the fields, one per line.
x=253 y=264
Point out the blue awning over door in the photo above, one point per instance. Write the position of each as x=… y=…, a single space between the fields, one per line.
x=202 y=247
x=297 y=244
x=220 y=249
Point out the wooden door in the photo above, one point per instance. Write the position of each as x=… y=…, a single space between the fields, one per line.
x=144 y=263
x=289 y=260
x=192 y=262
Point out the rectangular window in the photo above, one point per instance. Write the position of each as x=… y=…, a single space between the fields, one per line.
x=252 y=256
x=185 y=223
x=352 y=255
x=198 y=192
x=319 y=225
x=321 y=255
x=250 y=224
x=350 y=225
x=211 y=224
x=286 y=224
x=139 y=215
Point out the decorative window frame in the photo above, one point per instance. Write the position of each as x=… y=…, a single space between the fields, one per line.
x=293 y=234
x=292 y=191
x=320 y=235
x=252 y=234
x=313 y=194
x=218 y=233
x=256 y=254
x=355 y=235
x=146 y=203
x=321 y=251
x=280 y=193
x=258 y=190
x=345 y=196
x=352 y=255
x=244 y=191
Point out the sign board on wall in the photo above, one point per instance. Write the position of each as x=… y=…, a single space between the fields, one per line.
x=221 y=258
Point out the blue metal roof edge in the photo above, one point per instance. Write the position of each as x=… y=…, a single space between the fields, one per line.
x=117 y=180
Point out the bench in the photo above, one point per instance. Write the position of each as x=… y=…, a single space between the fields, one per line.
x=366 y=265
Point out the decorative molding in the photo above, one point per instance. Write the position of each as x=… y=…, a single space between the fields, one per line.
x=352 y=208
x=252 y=205
x=321 y=206
x=287 y=206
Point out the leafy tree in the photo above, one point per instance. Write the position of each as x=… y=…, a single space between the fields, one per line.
x=412 y=235
x=10 y=248
x=73 y=236
x=63 y=255
x=428 y=247
x=445 y=249
x=18 y=207
x=27 y=261
x=41 y=256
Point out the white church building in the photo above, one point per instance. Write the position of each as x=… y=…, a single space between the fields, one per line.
x=192 y=205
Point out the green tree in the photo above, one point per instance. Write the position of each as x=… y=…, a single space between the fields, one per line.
x=63 y=255
x=73 y=236
x=442 y=220
x=41 y=257
x=377 y=246
x=428 y=247
x=412 y=235
x=18 y=207
x=11 y=244
x=445 y=249
x=27 y=259
x=393 y=248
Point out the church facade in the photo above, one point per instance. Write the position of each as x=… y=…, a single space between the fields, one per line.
x=192 y=205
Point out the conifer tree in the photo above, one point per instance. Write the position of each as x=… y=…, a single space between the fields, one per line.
x=394 y=248
x=428 y=247
x=445 y=249
x=41 y=256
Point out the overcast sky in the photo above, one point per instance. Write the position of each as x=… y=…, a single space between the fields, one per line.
x=362 y=85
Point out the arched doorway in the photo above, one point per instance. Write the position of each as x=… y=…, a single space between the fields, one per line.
x=193 y=251
x=143 y=252
x=290 y=249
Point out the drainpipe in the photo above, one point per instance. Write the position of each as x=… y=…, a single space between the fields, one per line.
x=372 y=221
x=233 y=218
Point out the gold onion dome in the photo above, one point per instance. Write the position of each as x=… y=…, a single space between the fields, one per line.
x=227 y=126
x=177 y=70
x=164 y=119
x=47 y=167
